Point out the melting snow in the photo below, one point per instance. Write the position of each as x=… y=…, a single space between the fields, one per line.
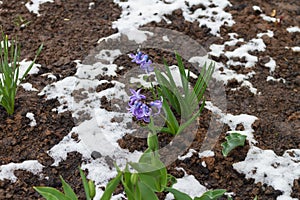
x=31 y=117
x=271 y=64
x=7 y=171
x=267 y=167
x=136 y=13
x=28 y=87
x=296 y=49
x=34 y=5
x=271 y=78
x=189 y=185
x=293 y=29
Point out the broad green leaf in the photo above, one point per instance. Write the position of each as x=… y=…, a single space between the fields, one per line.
x=150 y=181
x=68 y=190
x=211 y=195
x=146 y=192
x=233 y=140
x=50 y=193
x=111 y=186
x=177 y=194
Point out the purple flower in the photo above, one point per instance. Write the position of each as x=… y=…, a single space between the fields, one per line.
x=136 y=96
x=147 y=66
x=141 y=110
x=157 y=104
x=142 y=60
x=137 y=57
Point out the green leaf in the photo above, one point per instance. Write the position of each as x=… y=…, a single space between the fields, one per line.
x=233 y=140
x=128 y=187
x=177 y=194
x=68 y=190
x=152 y=141
x=171 y=179
x=85 y=185
x=189 y=121
x=146 y=192
x=51 y=193
x=211 y=195
x=111 y=186
x=183 y=76
x=255 y=198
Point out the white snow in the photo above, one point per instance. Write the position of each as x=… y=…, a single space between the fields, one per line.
x=24 y=66
x=189 y=185
x=295 y=49
x=136 y=13
x=277 y=171
x=34 y=5
x=187 y=155
x=30 y=116
x=50 y=76
x=7 y=171
x=293 y=29
x=28 y=87
x=271 y=78
x=271 y=64
x=165 y=38
x=207 y=153
x=233 y=120
x=257 y=8
x=268 y=33
x=268 y=18
x=91 y=5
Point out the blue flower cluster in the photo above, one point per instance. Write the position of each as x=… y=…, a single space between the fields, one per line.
x=142 y=60
x=139 y=109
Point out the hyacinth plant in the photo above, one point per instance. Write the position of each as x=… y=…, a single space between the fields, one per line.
x=187 y=104
x=150 y=175
x=9 y=72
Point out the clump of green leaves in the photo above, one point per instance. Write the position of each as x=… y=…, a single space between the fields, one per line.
x=151 y=177
x=68 y=193
x=9 y=72
x=186 y=103
x=233 y=140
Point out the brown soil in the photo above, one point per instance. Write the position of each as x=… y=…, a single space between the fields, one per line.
x=69 y=31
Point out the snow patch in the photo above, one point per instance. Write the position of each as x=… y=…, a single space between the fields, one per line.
x=293 y=29
x=136 y=13
x=257 y=8
x=187 y=155
x=165 y=38
x=268 y=33
x=295 y=49
x=7 y=171
x=271 y=65
x=266 y=167
x=184 y=185
x=207 y=153
x=271 y=78
x=233 y=120
x=34 y=5
x=28 y=87
x=30 y=116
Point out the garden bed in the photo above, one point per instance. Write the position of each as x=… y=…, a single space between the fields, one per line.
x=83 y=82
